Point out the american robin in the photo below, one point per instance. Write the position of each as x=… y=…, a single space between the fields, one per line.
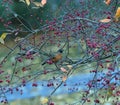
x=55 y=58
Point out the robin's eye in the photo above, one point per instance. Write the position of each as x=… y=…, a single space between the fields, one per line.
x=53 y=58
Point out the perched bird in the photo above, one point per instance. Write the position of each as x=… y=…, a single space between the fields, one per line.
x=55 y=58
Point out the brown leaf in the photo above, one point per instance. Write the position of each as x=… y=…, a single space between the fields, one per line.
x=107 y=2
x=38 y=4
x=63 y=70
x=43 y=2
x=117 y=14
x=64 y=78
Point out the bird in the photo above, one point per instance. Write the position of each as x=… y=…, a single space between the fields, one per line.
x=54 y=59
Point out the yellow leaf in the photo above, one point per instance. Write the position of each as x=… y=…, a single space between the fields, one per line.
x=27 y=2
x=117 y=14
x=43 y=2
x=107 y=2
x=105 y=20
x=64 y=78
x=44 y=100
x=3 y=36
x=38 y=4
x=109 y=93
x=2 y=41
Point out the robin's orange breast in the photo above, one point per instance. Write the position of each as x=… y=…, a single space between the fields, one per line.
x=56 y=58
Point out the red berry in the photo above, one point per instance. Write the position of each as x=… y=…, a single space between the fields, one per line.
x=51 y=103
x=1 y=81
x=96 y=101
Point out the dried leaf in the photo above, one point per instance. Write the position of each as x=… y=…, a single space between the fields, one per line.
x=69 y=66
x=43 y=2
x=17 y=39
x=117 y=15
x=63 y=70
x=64 y=78
x=107 y=2
x=108 y=65
x=27 y=2
x=105 y=20
x=44 y=100
x=38 y=4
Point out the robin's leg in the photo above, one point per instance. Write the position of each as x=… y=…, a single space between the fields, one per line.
x=56 y=66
